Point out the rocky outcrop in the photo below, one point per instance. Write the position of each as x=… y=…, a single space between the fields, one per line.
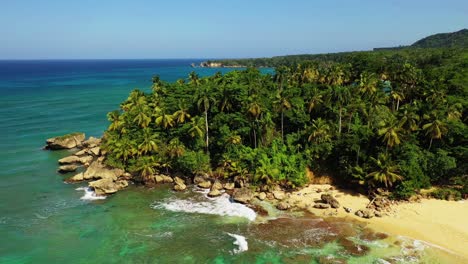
x=279 y=195
x=67 y=168
x=214 y=193
x=96 y=151
x=242 y=195
x=201 y=178
x=365 y=213
x=179 y=184
x=261 y=196
x=97 y=170
x=229 y=186
x=77 y=178
x=108 y=186
x=321 y=206
x=69 y=160
x=92 y=142
x=65 y=142
x=329 y=199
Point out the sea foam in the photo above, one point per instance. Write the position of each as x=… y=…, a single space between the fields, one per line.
x=89 y=194
x=241 y=242
x=221 y=205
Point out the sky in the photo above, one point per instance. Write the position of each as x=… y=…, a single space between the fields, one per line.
x=145 y=29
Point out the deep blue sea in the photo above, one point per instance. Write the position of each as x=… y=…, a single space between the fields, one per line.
x=44 y=220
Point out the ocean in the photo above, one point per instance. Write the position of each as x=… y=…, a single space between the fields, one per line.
x=44 y=220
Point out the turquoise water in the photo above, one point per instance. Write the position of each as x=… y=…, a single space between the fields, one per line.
x=43 y=220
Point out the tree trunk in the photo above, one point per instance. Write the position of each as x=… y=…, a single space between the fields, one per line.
x=255 y=137
x=357 y=156
x=206 y=129
x=282 y=125
x=339 y=122
x=398 y=104
x=430 y=143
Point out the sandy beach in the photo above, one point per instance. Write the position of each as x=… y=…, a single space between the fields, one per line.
x=443 y=224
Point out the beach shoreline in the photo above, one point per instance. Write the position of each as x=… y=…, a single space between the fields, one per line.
x=438 y=223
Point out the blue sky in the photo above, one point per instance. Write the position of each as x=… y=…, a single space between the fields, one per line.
x=104 y=29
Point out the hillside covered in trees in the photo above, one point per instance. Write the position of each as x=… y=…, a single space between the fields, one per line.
x=393 y=119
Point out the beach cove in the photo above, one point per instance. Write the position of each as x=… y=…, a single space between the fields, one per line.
x=138 y=224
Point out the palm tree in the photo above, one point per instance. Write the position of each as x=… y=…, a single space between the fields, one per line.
x=141 y=110
x=368 y=84
x=164 y=120
x=182 y=114
x=175 y=148
x=196 y=125
x=384 y=171
x=254 y=110
x=340 y=95
x=320 y=131
x=435 y=128
x=149 y=143
x=316 y=100
x=409 y=119
x=282 y=104
x=157 y=84
x=194 y=79
x=124 y=148
x=398 y=97
x=391 y=133
x=116 y=120
x=204 y=99
x=135 y=97
x=146 y=166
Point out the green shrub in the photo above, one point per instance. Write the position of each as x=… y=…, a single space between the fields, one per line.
x=447 y=194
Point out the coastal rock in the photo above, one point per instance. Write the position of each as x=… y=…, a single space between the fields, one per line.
x=239 y=182
x=92 y=142
x=69 y=160
x=66 y=141
x=242 y=195
x=217 y=185
x=107 y=186
x=214 y=192
x=166 y=179
x=86 y=160
x=95 y=151
x=352 y=248
x=329 y=199
x=67 y=168
x=283 y=206
x=229 y=186
x=321 y=206
x=366 y=213
x=204 y=184
x=78 y=177
x=179 y=184
x=347 y=209
x=82 y=152
x=279 y=195
x=200 y=178
x=98 y=170
x=262 y=196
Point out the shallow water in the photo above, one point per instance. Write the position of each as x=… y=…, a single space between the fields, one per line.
x=43 y=220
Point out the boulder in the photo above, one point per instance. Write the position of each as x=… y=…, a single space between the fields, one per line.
x=78 y=177
x=283 y=206
x=321 y=206
x=68 y=141
x=214 y=192
x=204 y=184
x=217 y=185
x=229 y=186
x=329 y=199
x=95 y=151
x=67 y=168
x=166 y=179
x=107 y=186
x=347 y=209
x=179 y=184
x=242 y=195
x=69 y=160
x=262 y=196
x=279 y=195
x=92 y=142
x=97 y=170
x=200 y=178
x=239 y=182
x=366 y=213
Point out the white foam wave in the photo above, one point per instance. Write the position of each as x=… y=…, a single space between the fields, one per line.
x=89 y=194
x=215 y=206
x=241 y=242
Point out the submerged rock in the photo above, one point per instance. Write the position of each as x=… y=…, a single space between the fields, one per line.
x=67 y=168
x=329 y=199
x=78 y=177
x=107 y=186
x=352 y=248
x=242 y=195
x=68 y=141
